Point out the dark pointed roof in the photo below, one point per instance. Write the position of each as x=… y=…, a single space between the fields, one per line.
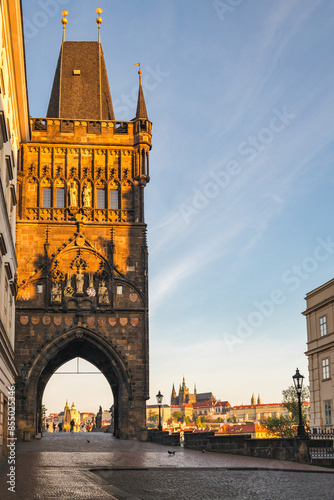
x=80 y=88
x=141 y=106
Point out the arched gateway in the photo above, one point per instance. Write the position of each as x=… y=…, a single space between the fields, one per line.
x=81 y=242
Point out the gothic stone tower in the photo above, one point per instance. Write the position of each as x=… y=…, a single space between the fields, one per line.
x=81 y=242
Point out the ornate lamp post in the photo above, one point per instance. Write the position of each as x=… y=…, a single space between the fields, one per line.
x=298 y=383
x=159 y=397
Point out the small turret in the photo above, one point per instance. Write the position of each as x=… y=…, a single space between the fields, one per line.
x=259 y=400
x=253 y=400
x=141 y=106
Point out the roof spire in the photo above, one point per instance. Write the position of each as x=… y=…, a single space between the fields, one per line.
x=141 y=106
x=99 y=20
x=64 y=21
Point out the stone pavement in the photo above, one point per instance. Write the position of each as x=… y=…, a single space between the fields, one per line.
x=97 y=466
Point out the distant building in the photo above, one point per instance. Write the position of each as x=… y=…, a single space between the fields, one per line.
x=320 y=351
x=71 y=414
x=185 y=397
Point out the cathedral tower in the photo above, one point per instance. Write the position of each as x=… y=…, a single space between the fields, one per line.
x=81 y=242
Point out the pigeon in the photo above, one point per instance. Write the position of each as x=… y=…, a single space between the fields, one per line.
x=171 y=452
x=88 y=441
x=203 y=451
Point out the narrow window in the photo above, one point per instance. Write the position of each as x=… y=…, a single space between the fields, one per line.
x=323 y=326
x=46 y=197
x=328 y=412
x=60 y=198
x=114 y=199
x=119 y=290
x=100 y=198
x=325 y=369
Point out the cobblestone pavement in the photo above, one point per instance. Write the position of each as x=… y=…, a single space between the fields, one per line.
x=97 y=466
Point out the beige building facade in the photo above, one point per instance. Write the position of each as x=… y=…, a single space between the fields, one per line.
x=320 y=352
x=14 y=129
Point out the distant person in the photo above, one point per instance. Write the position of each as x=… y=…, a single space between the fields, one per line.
x=83 y=428
x=47 y=427
x=72 y=425
x=60 y=427
x=54 y=427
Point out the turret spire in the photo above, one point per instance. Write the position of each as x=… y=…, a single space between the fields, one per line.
x=141 y=106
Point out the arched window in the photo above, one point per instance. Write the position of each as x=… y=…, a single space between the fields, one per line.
x=60 y=193
x=114 y=196
x=100 y=195
x=46 y=193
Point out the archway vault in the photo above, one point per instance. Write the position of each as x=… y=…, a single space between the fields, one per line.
x=87 y=344
x=84 y=343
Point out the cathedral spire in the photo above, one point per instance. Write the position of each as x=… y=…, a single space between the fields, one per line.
x=141 y=106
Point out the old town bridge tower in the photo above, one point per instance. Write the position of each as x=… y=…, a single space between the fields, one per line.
x=81 y=242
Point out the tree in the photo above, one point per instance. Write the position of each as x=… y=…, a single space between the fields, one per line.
x=152 y=417
x=178 y=416
x=285 y=426
x=282 y=426
x=187 y=420
x=219 y=420
x=290 y=402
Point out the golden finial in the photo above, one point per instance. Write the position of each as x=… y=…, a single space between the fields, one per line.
x=64 y=22
x=139 y=71
x=99 y=19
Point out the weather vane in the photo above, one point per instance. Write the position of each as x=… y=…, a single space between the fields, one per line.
x=64 y=21
x=99 y=20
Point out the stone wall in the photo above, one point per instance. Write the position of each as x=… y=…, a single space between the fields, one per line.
x=293 y=449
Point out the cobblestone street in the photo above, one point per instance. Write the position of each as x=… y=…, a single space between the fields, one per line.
x=97 y=466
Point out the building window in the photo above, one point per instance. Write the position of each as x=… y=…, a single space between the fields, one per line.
x=113 y=199
x=323 y=326
x=325 y=369
x=60 y=198
x=119 y=290
x=100 y=198
x=46 y=197
x=328 y=412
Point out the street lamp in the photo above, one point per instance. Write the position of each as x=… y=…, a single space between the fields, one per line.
x=298 y=383
x=159 y=397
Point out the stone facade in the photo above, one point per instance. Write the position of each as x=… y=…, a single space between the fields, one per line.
x=320 y=351
x=82 y=255
x=14 y=129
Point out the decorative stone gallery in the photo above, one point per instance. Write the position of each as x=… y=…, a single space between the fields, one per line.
x=81 y=243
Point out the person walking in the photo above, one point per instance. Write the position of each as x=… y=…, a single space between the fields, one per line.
x=72 y=425
x=54 y=427
x=60 y=427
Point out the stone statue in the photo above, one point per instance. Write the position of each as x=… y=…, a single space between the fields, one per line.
x=80 y=282
x=103 y=294
x=73 y=194
x=87 y=196
x=99 y=418
x=56 y=293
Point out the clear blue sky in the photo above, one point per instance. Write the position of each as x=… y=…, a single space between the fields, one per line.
x=239 y=207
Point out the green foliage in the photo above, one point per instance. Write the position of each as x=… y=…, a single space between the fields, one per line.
x=230 y=420
x=152 y=417
x=219 y=420
x=234 y=418
x=178 y=416
x=187 y=420
x=286 y=426
x=290 y=402
x=282 y=426
x=44 y=410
